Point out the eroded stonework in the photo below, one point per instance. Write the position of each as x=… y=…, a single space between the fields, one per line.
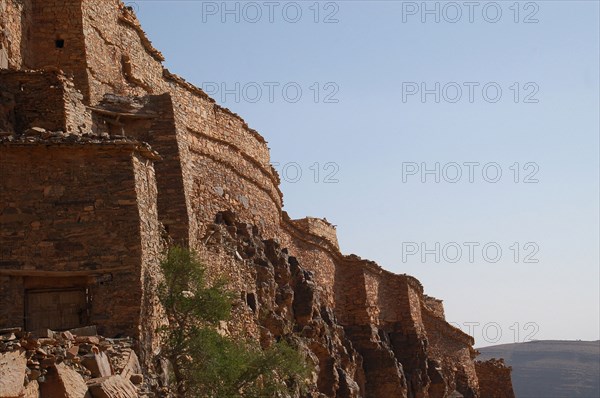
x=105 y=156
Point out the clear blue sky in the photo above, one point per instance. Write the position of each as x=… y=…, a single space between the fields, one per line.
x=367 y=129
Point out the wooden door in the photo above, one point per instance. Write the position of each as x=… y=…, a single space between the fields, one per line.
x=55 y=309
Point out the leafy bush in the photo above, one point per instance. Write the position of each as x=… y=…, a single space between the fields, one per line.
x=206 y=363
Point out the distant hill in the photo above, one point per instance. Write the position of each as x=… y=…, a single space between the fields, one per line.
x=551 y=368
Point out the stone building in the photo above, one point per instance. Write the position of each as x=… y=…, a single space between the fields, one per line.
x=104 y=154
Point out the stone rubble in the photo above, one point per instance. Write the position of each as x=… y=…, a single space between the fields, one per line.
x=50 y=364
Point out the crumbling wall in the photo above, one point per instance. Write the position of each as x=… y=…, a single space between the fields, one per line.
x=436 y=306
x=452 y=350
x=151 y=119
x=71 y=211
x=223 y=163
x=22 y=106
x=226 y=165
x=318 y=227
x=319 y=255
x=494 y=379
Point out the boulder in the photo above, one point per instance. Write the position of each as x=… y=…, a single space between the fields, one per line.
x=112 y=387
x=98 y=364
x=132 y=365
x=64 y=382
x=32 y=390
x=85 y=331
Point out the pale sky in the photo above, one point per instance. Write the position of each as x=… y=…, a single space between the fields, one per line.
x=512 y=88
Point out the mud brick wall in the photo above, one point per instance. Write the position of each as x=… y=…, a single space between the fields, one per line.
x=211 y=161
x=70 y=211
x=494 y=379
x=224 y=164
x=158 y=128
x=350 y=294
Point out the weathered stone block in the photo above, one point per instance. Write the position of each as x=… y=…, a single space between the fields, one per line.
x=112 y=387
x=12 y=373
x=64 y=382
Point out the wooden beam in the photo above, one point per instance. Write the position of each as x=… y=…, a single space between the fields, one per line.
x=58 y=274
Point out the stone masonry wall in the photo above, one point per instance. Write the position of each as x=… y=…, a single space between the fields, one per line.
x=56 y=40
x=152 y=247
x=434 y=305
x=72 y=211
x=22 y=107
x=318 y=227
x=494 y=379
x=451 y=349
x=121 y=60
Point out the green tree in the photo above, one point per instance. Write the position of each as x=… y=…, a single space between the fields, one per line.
x=205 y=363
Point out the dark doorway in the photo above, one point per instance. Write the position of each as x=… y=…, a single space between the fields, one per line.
x=57 y=309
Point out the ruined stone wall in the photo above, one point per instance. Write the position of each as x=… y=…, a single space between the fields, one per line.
x=151 y=119
x=58 y=109
x=211 y=162
x=78 y=206
x=452 y=349
x=319 y=255
x=318 y=227
x=436 y=306
x=494 y=379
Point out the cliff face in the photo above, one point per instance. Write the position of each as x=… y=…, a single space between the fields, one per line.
x=84 y=201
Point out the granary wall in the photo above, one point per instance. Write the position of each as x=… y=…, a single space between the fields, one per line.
x=436 y=306
x=152 y=247
x=77 y=205
x=223 y=163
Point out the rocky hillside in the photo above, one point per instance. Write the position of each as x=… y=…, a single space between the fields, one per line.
x=552 y=368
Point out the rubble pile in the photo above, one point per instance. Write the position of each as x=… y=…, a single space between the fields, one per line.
x=76 y=363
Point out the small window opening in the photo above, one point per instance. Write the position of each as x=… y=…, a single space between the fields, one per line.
x=251 y=301
x=60 y=43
